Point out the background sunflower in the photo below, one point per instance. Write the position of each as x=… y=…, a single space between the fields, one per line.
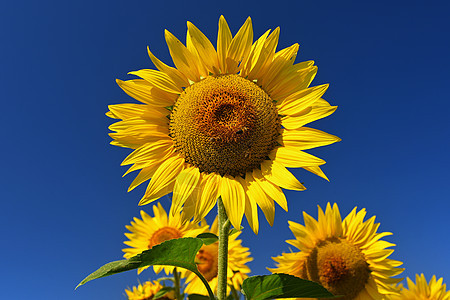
x=423 y=290
x=347 y=257
x=150 y=231
x=147 y=291
x=238 y=257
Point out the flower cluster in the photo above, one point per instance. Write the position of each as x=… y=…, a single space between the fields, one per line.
x=225 y=123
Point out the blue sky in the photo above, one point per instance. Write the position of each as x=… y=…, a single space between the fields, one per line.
x=64 y=201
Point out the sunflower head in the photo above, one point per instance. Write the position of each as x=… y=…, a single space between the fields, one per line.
x=207 y=264
x=224 y=124
x=226 y=121
x=147 y=291
x=346 y=257
x=150 y=231
x=423 y=290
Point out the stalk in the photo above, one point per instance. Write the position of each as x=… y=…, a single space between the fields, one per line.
x=177 y=285
x=224 y=229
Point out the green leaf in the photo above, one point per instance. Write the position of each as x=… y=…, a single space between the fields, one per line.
x=165 y=278
x=197 y=297
x=234 y=230
x=208 y=238
x=162 y=292
x=177 y=252
x=282 y=286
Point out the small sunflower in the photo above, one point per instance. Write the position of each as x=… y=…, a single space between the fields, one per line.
x=207 y=263
x=346 y=257
x=421 y=290
x=147 y=291
x=151 y=231
x=227 y=121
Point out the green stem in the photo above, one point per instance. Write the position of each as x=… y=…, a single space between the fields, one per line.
x=205 y=282
x=224 y=229
x=234 y=292
x=176 y=284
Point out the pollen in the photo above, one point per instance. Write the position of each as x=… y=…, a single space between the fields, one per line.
x=164 y=234
x=339 y=266
x=224 y=124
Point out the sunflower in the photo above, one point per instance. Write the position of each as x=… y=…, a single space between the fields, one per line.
x=226 y=122
x=421 y=290
x=346 y=257
x=147 y=291
x=207 y=263
x=151 y=231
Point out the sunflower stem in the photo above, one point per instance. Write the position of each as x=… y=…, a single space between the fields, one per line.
x=176 y=284
x=224 y=228
x=234 y=292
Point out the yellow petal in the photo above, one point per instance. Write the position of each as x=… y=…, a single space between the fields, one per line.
x=147 y=93
x=253 y=57
x=157 y=159
x=299 y=101
x=156 y=124
x=306 y=138
x=224 y=38
x=184 y=60
x=163 y=179
x=202 y=70
x=185 y=183
x=209 y=194
x=233 y=198
x=251 y=208
x=202 y=199
x=292 y=81
x=239 y=47
x=131 y=138
x=272 y=190
x=178 y=77
x=147 y=152
x=293 y=158
x=315 y=114
x=277 y=174
x=144 y=175
x=256 y=194
x=316 y=170
x=266 y=56
x=321 y=102
x=132 y=110
x=282 y=61
x=159 y=79
x=205 y=49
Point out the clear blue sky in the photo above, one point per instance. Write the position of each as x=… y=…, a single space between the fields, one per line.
x=64 y=201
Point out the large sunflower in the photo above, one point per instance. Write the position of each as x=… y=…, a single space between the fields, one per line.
x=346 y=257
x=421 y=290
x=225 y=122
x=151 y=231
x=147 y=291
x=207 y=263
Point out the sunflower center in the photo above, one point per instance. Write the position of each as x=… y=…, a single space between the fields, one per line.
x=164 y=234
x=224 y=124
x=339 y=266
x=206 y=260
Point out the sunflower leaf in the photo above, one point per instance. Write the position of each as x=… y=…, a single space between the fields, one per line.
x=234 y=230
x=282 y=286
x=177 y=252
x=208 y=238
x=197 y=297
x=162 y=292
